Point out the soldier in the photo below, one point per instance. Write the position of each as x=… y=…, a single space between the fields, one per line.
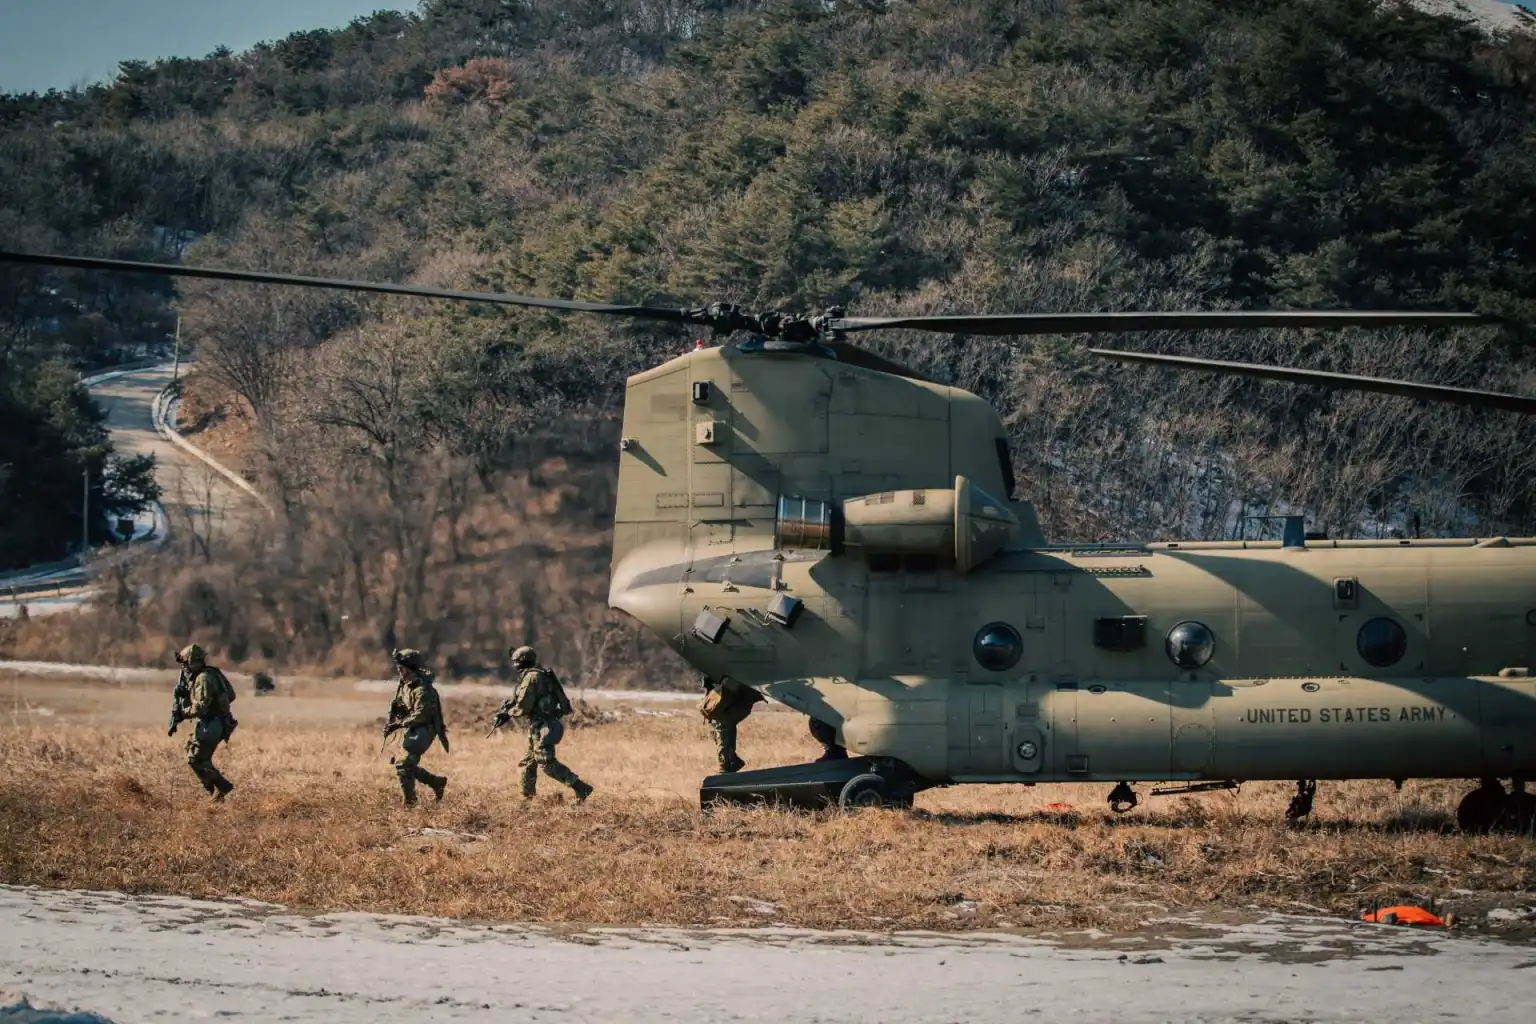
x=418 y=710
x=541 y=701
x=726 y=705
x=204 y=695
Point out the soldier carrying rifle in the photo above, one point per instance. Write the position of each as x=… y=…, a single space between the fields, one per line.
x=540 y=701
x=419 y=711
x=203 y=693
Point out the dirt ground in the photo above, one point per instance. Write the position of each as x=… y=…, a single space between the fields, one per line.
x=96 y=796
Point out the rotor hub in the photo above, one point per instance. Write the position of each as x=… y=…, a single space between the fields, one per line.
x=727 y=318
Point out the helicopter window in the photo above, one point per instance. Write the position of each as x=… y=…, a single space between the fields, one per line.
x=1005 y=461
x=998 y=647
x=1382 y=642
x=1191 y=644
x=884 y=561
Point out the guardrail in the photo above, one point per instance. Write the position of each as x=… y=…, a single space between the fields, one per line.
x=159 y=412
x=57 y=586
x=107 y=373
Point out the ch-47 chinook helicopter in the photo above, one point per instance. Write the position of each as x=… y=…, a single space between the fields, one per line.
x=840 y=533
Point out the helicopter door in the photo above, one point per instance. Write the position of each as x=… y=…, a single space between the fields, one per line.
x=1103 y=727
x=908 y=608
x=976 y=739
x=1508 y=708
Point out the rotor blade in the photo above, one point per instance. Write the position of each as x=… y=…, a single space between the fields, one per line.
x=1409 y=389
x=853 y=355
x=1108 y=323
x=501 y=298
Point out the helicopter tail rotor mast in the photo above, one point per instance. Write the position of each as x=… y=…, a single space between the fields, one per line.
x=830 y=328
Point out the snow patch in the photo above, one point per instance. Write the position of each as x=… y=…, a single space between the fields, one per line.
x=1489 y=15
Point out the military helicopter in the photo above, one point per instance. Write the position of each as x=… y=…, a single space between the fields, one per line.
x=839 y=533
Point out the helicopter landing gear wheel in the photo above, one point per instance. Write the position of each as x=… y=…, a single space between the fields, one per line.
x=871 y=790
x=1482 y=809
x=1301 y=803
x=1122 y=798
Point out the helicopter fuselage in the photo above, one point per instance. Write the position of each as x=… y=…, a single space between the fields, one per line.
x=785 y=525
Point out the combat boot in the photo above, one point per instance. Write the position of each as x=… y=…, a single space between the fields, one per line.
x=583 y=790
x=223 y=788
x=735 y=764
x=408 y=791
x=437 y=784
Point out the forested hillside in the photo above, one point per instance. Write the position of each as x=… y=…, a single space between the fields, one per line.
x=925 y=156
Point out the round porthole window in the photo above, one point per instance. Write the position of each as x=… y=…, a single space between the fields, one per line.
x=1191 y=644
x=998 y=647
x=1382 y=642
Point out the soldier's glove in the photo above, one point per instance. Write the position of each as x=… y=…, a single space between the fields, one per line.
x=391 y=727
x=501 y=718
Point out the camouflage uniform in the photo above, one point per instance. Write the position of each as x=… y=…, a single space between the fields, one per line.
x=726 y=705
x=208 y=698
x=419 y=711
x=541 y=701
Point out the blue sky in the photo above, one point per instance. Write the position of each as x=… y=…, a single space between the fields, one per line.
x=59 y=43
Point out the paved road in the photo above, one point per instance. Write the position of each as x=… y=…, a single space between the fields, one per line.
x=197 y=501
x=165 y=958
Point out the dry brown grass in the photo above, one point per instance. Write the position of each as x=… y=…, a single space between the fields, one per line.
x=215 y=420
x=316 y=823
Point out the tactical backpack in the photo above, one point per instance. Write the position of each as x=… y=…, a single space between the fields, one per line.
x=226 y=692
x=729 y=703
x=548 y=696
x=225 y=687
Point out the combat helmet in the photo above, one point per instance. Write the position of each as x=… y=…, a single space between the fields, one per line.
x=407 y=656
x=524 y=657
x=192 y=654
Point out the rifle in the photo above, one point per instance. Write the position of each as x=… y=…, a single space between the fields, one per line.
x=502 y=717
x=181 y=696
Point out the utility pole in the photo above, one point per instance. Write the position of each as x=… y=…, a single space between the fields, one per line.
x=85 y=517
x=176 y=370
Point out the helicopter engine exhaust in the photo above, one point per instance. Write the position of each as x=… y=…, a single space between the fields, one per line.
x=964 y=523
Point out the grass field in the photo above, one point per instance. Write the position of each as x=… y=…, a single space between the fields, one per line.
x=94 y=795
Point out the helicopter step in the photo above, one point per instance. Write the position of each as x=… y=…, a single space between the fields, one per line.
x=844 y=782
x=1197 y=787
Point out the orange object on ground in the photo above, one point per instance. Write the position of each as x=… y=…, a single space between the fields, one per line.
x=1058 y=807
x=1405 y=915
